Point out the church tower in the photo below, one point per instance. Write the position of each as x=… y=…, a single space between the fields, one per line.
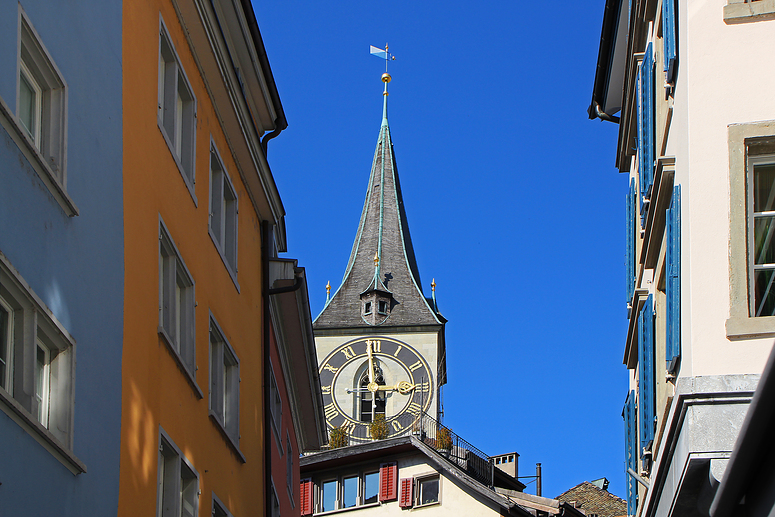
x=380 y=341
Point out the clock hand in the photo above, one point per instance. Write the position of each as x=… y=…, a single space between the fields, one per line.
x=371 y=363
x=402 y=387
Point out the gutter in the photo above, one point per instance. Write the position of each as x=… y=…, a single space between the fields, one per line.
x=750 y=448
x=602 y=70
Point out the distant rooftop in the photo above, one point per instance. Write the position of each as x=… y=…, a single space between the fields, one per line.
x=594 y=500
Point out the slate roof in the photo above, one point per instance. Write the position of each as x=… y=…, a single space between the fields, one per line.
x=383 y=230
x=594 y=500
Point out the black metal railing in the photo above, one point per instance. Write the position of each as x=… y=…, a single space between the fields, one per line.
x=459 y=452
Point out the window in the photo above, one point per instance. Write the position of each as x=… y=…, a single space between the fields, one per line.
x=177 y=109
x=351 y=490
x=276 y=408
x=629 y=256
x=224 y=383
x=370 y=487
x=631 y=451
x=646 y=384
x=289 y=468
x=751 y=247
x=428 y=490
x=275 y=503
x=223 y=213
x=382 y=307
x=646 y=130
x=219 y=509
x=41 y=105
x=37 y=366
x=738 y=11
x=176 y=304
x=673 y=282
x=367 y=308
x=670 y=40
x=178 y=482
x=328 y=496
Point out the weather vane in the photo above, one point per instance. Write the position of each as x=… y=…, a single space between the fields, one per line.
x=383 y=54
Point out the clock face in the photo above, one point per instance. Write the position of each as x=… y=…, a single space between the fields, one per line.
x=370 y=376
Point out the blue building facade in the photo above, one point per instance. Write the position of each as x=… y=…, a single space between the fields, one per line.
x=61 y=256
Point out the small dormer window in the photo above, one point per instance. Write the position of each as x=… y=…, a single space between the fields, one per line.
x=382 y=307
x=367 y=308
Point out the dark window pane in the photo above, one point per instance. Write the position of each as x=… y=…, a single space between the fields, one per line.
x=429 y=491
x=764 y=188
x=764 y=240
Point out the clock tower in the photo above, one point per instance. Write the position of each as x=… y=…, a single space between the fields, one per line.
x=380 y=341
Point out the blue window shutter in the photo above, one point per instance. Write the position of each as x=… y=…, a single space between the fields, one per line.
x=640 y=126
x=630 y=448
x=629 y=256
x=646 y=410
x=648 y=157
x=673 y=283
x=669 y=38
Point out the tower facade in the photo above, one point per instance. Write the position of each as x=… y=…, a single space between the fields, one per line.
x=380 y=341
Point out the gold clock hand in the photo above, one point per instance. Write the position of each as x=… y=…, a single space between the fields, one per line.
x=402 y=387
x=371 y=363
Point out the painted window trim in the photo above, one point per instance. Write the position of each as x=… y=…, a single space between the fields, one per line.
x=418 y=479
x=317 y=490
x=232 y=436
x=742 y=11
x=646 y=376
x=233 y=269
x=182 y=460
x=220 y=506
x=740 y=324
x=190 y=182
x=189 y=371
x=276 y=419
x=41 y=316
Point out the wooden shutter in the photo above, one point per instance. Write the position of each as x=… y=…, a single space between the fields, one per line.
x=646 y=411
x=673 y=281
x=388 y=482
x=307 y=497
x=646 y=148
x=630 y=242
x=630 y=444
x=670 y=40
x=406 y=499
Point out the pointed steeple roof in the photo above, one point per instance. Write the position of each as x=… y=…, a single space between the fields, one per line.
x=382 y=260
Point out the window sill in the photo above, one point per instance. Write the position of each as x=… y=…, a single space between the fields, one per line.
x=190 y=184
x=189 y=376
x=435 y=503
x=11 y=124
x=21 y=416
x=232 y=271
x=747 y=327
x=351 y=508
x=739 y=12
x=232 y=444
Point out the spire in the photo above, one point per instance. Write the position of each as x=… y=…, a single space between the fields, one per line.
x=381 y=284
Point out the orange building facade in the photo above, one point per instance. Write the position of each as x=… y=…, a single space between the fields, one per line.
x=203 y=220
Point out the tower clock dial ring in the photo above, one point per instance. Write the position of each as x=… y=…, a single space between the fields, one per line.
x=401 y=381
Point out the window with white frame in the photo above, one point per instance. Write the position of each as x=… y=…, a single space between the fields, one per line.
x=275 y=407
x=177 y=108
x=223 y=212
x=348 y=491
x=176 y=303
x=37 y=363
x=41 y=103
x=761 y=233
x=224 y=383
x=178 y=482
x=427 y=490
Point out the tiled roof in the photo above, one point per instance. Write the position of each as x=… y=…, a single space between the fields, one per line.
x=383 y=230
x=594 y=500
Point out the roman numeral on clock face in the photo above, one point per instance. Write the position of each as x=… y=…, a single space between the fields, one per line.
x=414 y=408
x=416 y=366
x=330 y=368
x=396 y=425
x=348 y=352
x=330 y=411
x=326 y=390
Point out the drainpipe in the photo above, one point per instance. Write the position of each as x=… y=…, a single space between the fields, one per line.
x=602 y=115
x=538 y=479
x=268 y=137
x=266 y=319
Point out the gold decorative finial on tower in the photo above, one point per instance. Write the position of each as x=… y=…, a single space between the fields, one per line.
x=328 y=288
x=433 y=285
x=376 y=259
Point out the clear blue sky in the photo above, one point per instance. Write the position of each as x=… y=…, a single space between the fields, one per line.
x=514 y=204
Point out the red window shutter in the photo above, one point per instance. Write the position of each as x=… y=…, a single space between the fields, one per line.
x=306 y=497
x=388 y=482
x=405 y=500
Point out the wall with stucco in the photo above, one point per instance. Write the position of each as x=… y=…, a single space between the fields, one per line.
x=74 y=264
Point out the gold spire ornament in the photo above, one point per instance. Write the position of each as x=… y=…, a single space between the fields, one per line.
x=376 y=259
x=433 y=285
x=328 y=288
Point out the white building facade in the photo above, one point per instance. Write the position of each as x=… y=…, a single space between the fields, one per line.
x=697 y=143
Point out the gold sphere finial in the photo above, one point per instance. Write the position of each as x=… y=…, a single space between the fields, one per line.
x=433 y=285
x=328 y=287
x=386 y=77
x=376 y=258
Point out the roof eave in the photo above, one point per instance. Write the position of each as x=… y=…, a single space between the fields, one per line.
x=609 y=72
